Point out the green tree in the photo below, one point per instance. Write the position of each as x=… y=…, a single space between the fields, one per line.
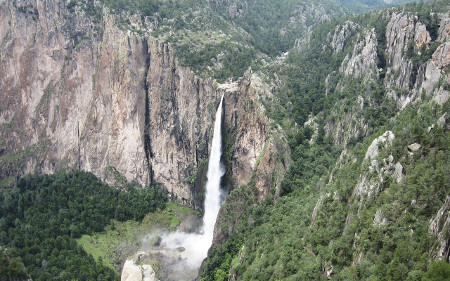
x=438 y=271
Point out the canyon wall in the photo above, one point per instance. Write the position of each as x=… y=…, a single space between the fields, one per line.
x=81 y=90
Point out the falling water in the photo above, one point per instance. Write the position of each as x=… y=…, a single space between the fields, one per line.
x=195 y=245
x=215 y=173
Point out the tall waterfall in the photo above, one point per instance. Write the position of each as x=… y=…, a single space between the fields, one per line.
x=195 y=245
x=214 y=175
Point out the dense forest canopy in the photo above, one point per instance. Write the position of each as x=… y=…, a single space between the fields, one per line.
x=43 y=215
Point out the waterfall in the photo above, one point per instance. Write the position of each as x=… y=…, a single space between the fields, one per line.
x=214 y=175
x=196 y=245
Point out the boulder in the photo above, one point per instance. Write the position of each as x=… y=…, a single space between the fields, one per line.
x=131 y=272
x=385 y=139
x=414 y=147
x=134 y=272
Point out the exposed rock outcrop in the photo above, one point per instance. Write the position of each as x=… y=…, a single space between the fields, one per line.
x=376 y=170
x=379 y=219
x=439 y=227
x=340 y=35
x=133 y=272
x=399 y=32
x=402 y=73
x=384 y=140
x=441 y=57
x=408 y=76
x=414 y=147
x=363 y=59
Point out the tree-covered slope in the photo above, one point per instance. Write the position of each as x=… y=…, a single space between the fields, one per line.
x=41 y=217
x=367 y=197
x=222 y=39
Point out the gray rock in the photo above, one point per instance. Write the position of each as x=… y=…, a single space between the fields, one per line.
x=379 y=219
x=131 y=272
x=330 y=272
x=390 y=158
x=364 y=57
x=439 y=227
x=441 y=57
x=340 y=35
x=398 y=172
x=421 y=35
x=414 y=147
x=134 y=272
x=385 y=139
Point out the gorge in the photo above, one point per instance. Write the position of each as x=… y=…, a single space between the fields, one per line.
x=333 y=135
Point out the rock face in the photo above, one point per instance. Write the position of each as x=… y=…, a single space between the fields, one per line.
x=81 y=93
x=363 y=58
x=384 y=140
x=439 y=227
x=405 y=78
x=402 y=33
x=340 y=34
x=74 y=98
x=375 y=171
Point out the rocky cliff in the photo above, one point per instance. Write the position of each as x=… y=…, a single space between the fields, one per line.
x=81 y=89
x=399 y=55
x=414 y=55
x=415 y=72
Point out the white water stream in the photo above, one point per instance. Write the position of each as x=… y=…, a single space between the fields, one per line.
x=214 y=175
x=180 y=254
x=195 y=245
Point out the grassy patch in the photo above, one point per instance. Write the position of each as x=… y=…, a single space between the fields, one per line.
x=121 y=239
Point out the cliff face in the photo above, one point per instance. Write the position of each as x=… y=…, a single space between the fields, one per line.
x=81 y=91
x=75 y=92
x=402 y=58
x=403 y=34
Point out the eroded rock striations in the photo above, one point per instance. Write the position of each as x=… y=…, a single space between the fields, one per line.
x=79 y=92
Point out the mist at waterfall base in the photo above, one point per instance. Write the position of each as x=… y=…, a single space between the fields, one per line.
x=194 y=246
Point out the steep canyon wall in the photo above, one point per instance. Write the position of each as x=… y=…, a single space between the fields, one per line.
x=81 y=91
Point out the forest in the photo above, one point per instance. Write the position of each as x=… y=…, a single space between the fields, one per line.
x=42 y=216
